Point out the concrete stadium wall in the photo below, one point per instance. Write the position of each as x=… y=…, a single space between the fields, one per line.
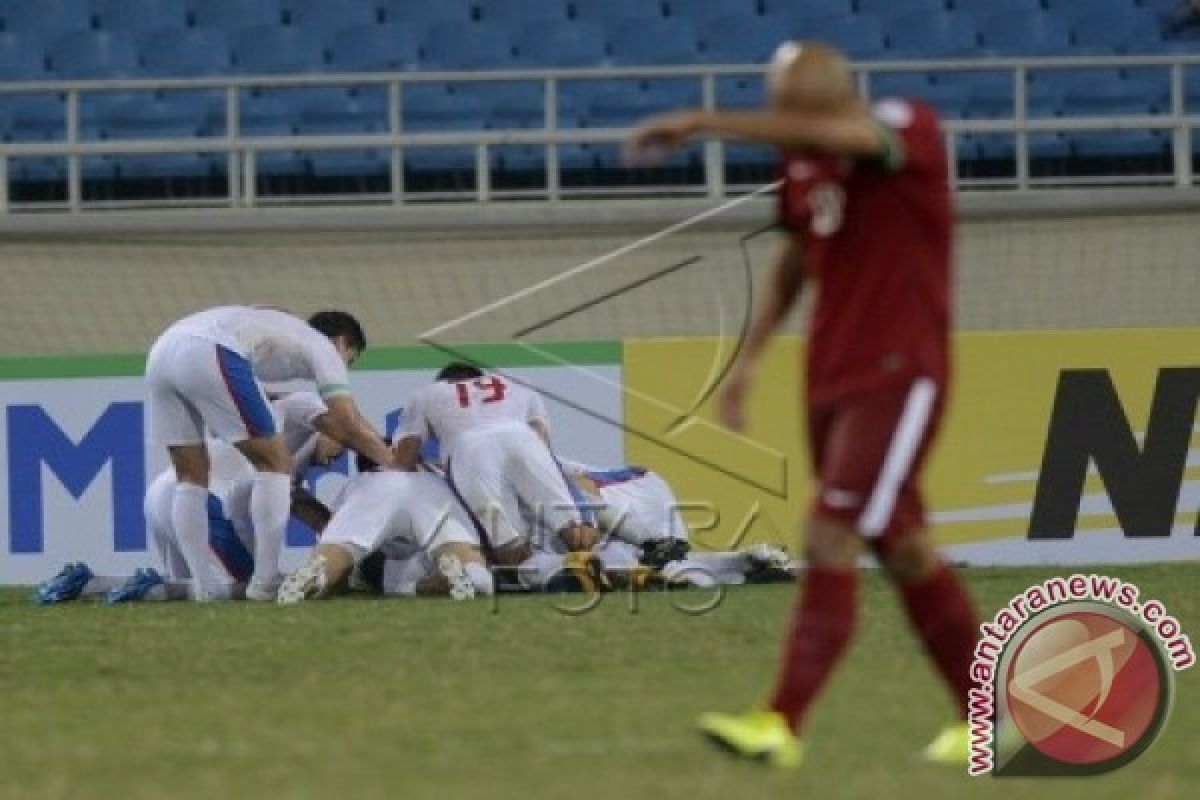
x=96 y=293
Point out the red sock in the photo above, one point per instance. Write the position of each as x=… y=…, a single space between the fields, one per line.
x=822 y=627
x=942 y=615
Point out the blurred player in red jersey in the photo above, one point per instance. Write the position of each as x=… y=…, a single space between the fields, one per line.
x=866 y=201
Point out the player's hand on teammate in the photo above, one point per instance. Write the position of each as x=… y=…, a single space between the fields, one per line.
x=657 y=136
x=731 y=400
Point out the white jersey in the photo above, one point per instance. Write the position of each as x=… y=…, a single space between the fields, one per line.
x=297 y=413
x=279 y=345
x=411 y=508
x=449 y=411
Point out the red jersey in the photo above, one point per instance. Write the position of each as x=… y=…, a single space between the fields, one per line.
x=877 y=240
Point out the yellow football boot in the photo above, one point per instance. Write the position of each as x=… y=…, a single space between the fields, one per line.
x=763 y=736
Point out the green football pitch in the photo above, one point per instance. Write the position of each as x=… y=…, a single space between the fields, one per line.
x=431 y=699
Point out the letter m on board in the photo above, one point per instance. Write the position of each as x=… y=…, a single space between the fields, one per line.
x=35 y=440
x=1089 y=426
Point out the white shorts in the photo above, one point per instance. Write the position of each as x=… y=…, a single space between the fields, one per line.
x=193 y=383
x=499 y=471
x=640 y=510
x=377 y=508
x=231 y=541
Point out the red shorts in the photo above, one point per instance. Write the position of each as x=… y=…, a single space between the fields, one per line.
x=868 y=453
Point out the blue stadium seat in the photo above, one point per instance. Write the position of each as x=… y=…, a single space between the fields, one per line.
x=34 y=118
x=48 y=18
x=1024 y=35
x=266 y=115
x=887 y=10
x=432 y=108
x=702 y=12
x=812 y=9
x=232 y=15
x=371 y=48
x=1119 y=144
x=138 y=16
x=858 y=37
x=166 y=165
x=741 y=93
x=562 y=44
x=517 y=14
x=93 y=55
x=899 y=84
x=37 y=170
x=990 y=95
x=422 y=15
x=185 y=53
x=604 y=11
x=340 y=113
x=275 y=49
x=941 y=35
x=951 y=102
x=507 y=105
x=20 y=59
x=454 y=46
x=741 y=40
x=1133 y=34
x=653 y=41
x=1104 y=98
x=622 y=108
x=1022 y=9
x=322 y=16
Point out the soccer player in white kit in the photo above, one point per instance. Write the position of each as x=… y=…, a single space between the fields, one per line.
x=207 y=371
x=494 y=441
x=374 y=509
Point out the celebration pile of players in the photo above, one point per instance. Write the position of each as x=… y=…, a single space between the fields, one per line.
x=499 y=507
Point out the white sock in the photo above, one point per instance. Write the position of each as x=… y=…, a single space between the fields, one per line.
x=270 y=506
x=189 y=518
x=481 y=577
x=101 y=584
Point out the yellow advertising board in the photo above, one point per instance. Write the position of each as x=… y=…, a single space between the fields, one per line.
x=1058 y=446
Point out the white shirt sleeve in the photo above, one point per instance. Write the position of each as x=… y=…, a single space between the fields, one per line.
x=299 y=409
x=537 y=408
x=329 y=371
x=413 y=422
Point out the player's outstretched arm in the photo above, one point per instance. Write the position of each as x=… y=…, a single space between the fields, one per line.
x=346 y=425
x=853 y=132
x=784 y=289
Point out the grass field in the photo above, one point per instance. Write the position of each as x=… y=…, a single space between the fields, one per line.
x=430 y=699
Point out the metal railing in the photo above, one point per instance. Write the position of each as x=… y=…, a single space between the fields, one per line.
x=242 y=151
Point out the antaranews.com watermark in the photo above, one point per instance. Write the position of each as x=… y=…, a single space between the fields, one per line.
x=1074 y=677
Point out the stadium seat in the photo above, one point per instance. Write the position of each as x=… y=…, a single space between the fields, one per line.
x=653 y=41
x=742 y=39
x=938 y=35
x=20 y=60
x=515 y=15
x=373 y=48
x=741 y=93
x=1119 y=144
x=433 y=108
x=340 y=113
x=1133 y=34
x=454 y=46
x=92 y=55
x=185 y=53
x=275 y=49
x=561 y=44
x=322 y=16
x=604 y=11
x=887 y=10
x=702 y=12
x=899 y=84
x=507 y=105
x=34 y=118
x=139 y=16
x=421 y=15
x=233 y=15
x=812 y=9
x=1024 y=35
x=46 y=18
x=951 y=102
x=266 y=115
x=990 y=95
x=859 y=37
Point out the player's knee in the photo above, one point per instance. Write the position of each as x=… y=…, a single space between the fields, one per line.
x=909 y=558
x=266 y=455
x=831 y=543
